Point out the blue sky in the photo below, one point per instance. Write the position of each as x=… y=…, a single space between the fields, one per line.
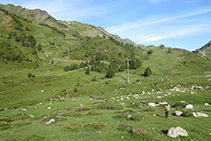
x=174 y=23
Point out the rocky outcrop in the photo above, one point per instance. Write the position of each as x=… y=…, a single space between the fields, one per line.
x=151 y=104
x=199 y=114
x=177 y=131
x=178 y=113
x=189 y=106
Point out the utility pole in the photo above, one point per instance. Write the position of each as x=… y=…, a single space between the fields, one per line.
x=88 y=61
x=128 y=60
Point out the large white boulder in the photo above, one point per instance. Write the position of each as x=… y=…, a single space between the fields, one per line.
x=178 y=113
x=199 y=114
x=206 y=104
x=152 y=104
x=194 y=114
x=177 y=131
x=189 y=106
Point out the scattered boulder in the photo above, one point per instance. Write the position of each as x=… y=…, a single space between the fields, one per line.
x=152 y=104
x=199 y=114
x=32 y=116
x=52 y=120
x=183 y=102
x=53 y=99
x=189 y=106
x=197 y=87
x=177 y=131
x=159 y=96
x=163 y=103
x=81 y=105
x=178 y=113
x=206 y=104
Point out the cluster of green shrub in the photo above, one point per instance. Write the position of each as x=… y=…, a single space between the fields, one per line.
x=11 y=53
x=31 y=75
x=27 y=41
x=113 y=66
x=74 y=66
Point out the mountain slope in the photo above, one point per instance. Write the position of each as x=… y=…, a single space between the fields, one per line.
x=35 y=36
x=39 y=35
x=205 y=50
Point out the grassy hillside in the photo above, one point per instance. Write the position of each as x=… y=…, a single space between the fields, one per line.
x=25 y=110
x=35 y=88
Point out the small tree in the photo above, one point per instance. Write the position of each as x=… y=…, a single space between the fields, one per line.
x=87 y=71
x=39 y=48
x=29 y=75
x=147 y=72
x=82 y=64
x=67 y=68
x=162 y=46
x=150 y=52
x=110 y=73
x=75 y=90
x=122 y=68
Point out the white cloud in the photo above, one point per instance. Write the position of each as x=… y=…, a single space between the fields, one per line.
x=181 y=32
x=172 y=32
x=136 y=24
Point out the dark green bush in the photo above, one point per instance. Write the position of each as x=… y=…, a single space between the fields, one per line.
x=147 y=72
x=94 y=125
x=110 y=73
x=72 y=127
x=4 y=126
x=187 y=113
x=92 y=113
x=136 y=117
x=179 y=105
x=124 y=127
x=139 y=134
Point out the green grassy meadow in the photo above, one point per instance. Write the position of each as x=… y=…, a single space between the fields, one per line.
x=25 y=110
x=39 y=100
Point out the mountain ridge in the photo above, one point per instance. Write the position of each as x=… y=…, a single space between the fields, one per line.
x=41 y=16
x=24 y=26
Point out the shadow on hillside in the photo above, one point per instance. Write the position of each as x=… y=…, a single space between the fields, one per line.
x=121 y=77
x=160 y=116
